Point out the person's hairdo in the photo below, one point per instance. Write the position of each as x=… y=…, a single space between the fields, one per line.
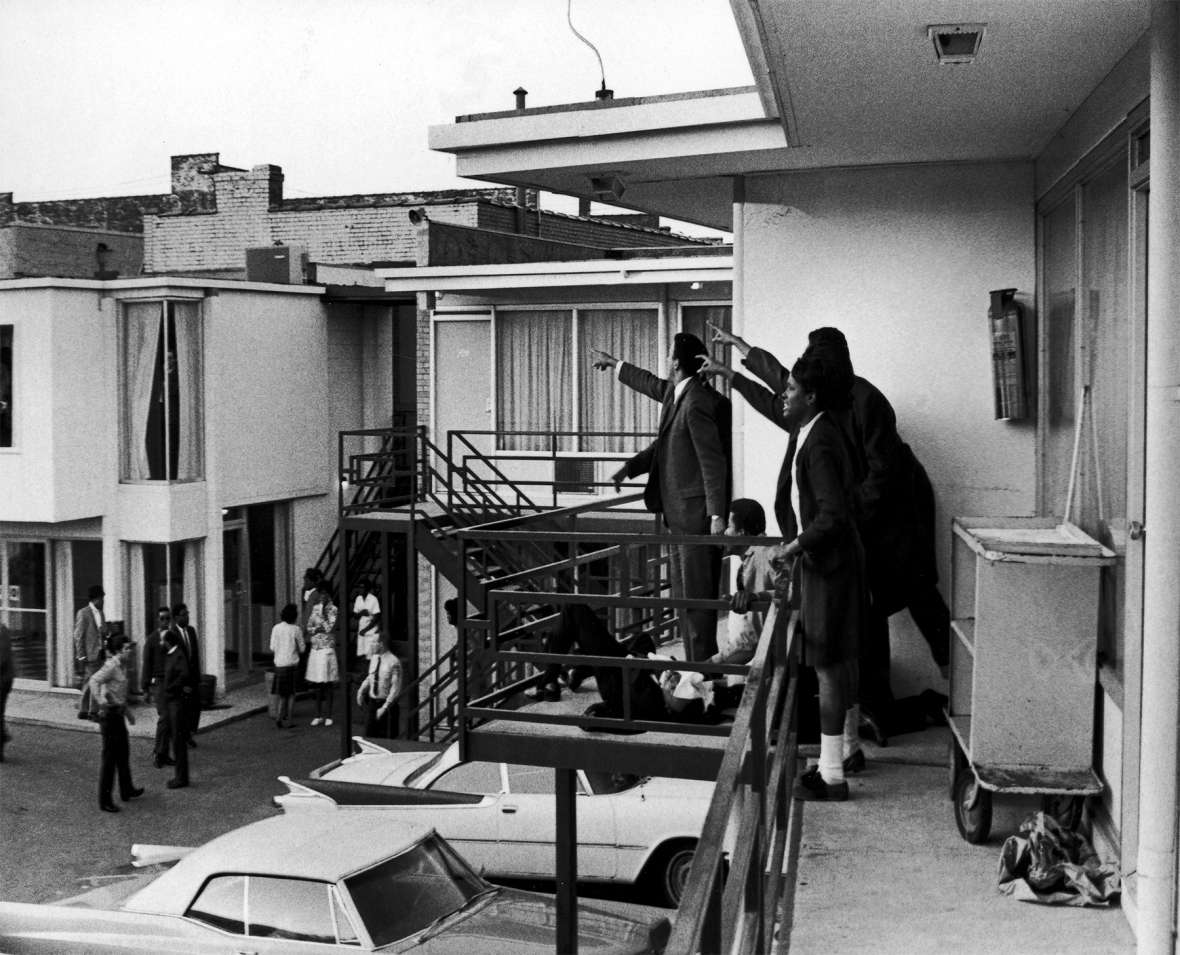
x=688 y=349
x=114 y=642
x=289 y=613
x=816 y=374
x=164 y=608
x=178 y=609
x=313 y=573
x=171 y=637
x=831 y=345
x=749 y=518
x=365 y=584
x=95 y=591
x=324 y=586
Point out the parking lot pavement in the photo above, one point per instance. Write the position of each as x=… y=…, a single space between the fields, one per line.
x=56 y=841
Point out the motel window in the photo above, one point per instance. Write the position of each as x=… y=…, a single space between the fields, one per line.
x=5 y=386
x=163 y=575
x=162 y=413
x=545 y=382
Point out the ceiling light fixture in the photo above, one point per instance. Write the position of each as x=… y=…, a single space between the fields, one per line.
x=956 y=42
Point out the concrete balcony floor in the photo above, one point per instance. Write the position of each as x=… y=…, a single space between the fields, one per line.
x=887 y=871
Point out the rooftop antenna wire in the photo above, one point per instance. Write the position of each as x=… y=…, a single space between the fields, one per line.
x=570 y=18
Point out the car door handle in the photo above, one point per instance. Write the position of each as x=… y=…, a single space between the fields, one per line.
x=507 y=809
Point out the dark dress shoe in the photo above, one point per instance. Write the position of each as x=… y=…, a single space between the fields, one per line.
x=108 y=807
x=162 y=761
x=131 y=793
x=855 y=763
x=870 y=728
x=812 y=787
x=177 y=783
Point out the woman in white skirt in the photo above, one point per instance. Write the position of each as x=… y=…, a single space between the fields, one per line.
x=322 y=668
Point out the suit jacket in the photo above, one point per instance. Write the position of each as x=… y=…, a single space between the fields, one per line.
x=154 y=652
x=176 y=676
x=87 y=636
x=688 y=463
x=193 y=654
x=889 y=480
x=831 y=569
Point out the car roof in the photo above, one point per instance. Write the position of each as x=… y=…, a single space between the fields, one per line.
x=323 y=847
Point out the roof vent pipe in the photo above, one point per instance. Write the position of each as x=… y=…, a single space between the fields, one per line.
x=520 y=93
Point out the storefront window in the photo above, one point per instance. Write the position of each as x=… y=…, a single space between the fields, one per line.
x=24 y=606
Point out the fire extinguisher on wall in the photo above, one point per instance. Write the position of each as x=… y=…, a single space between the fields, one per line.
x=1005 y=316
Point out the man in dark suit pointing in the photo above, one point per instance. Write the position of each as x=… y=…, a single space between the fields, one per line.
x=687 y=468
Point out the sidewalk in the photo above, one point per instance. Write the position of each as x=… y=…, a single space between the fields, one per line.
x=59 y=709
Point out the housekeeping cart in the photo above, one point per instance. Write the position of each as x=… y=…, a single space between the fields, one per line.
x=1024 y=621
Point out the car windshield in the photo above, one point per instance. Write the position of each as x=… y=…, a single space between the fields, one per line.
x=603 y=784
x=413 y=890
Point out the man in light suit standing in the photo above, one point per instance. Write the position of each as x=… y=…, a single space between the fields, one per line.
x=688 y=478
x=90 y=630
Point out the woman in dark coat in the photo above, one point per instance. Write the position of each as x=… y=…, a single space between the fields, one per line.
x=813 y=505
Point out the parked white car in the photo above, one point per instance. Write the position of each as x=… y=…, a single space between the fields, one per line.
x=501 y=817
x=316 y=885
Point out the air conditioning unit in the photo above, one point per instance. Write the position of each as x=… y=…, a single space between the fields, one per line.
x=574 y=475
x=279 y=264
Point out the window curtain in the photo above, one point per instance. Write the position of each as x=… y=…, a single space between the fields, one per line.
x=191 y=579
x=607 y=405
x=534 y=370
x=141 y=330
x=187 y=324
x=140 y=617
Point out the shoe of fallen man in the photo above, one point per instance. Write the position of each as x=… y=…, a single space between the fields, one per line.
x=812 y=787
x=854 y=763
x=177 y=783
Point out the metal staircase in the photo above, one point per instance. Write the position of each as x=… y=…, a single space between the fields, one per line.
x=442 y=492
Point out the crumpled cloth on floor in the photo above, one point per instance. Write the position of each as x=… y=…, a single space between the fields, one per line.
x=1055 y=866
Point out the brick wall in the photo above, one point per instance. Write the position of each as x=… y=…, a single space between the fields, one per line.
x=563 y=228
x=33 y=251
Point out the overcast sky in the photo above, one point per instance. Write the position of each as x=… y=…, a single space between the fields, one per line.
x=96 y=95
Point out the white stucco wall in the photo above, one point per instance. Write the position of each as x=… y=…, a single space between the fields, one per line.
x=62 y=465
x=266 y=397
x=901 y=259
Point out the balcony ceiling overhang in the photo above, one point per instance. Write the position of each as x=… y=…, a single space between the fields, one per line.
x=838 y=83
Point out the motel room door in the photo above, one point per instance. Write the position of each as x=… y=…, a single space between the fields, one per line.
x=463 y=378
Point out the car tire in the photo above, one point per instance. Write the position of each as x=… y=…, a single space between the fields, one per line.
x=668 y=871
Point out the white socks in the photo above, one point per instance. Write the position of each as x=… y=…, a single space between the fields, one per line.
x=831 y=758
x=851 y=730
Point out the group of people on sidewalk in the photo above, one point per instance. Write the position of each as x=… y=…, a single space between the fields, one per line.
x=307 y=640
x=170 y=678
x=855 y=511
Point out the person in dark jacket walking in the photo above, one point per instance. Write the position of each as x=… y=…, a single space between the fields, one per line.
x=177 y=689
x=192 y=651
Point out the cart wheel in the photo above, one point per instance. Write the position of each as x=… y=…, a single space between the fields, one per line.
x=1067 y=810
x=973 y=808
